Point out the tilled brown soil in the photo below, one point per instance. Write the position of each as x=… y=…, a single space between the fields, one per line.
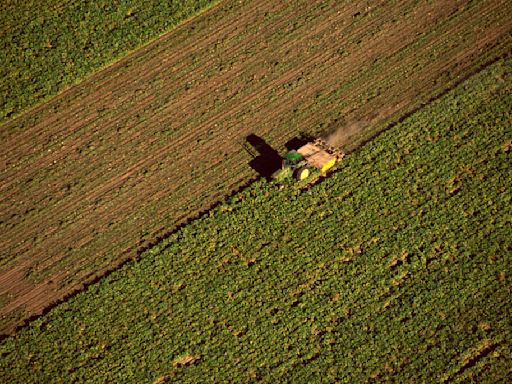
x=120 y=160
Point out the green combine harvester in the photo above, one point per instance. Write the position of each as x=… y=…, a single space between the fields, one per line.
x=300 y=163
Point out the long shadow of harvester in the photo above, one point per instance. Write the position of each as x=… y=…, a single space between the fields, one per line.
x=266 y=160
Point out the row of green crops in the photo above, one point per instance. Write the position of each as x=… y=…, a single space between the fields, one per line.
x=48 y=45
x=396 y=268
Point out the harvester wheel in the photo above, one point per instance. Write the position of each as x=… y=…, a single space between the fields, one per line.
x=302 y=173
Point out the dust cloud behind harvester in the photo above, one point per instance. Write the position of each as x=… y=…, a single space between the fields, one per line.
x=345 y=133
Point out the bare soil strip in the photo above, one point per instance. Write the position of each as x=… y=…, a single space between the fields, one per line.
x=115 y=163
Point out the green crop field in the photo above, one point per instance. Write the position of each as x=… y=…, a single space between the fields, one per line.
x=48 y=45
x=396 y=268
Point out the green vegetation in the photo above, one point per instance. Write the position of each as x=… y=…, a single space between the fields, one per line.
x=49 y=45
x=395 y=268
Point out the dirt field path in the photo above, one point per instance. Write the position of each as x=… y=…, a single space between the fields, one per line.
x=113 y=164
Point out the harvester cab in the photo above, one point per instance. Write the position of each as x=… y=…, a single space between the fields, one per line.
x=295 y=164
